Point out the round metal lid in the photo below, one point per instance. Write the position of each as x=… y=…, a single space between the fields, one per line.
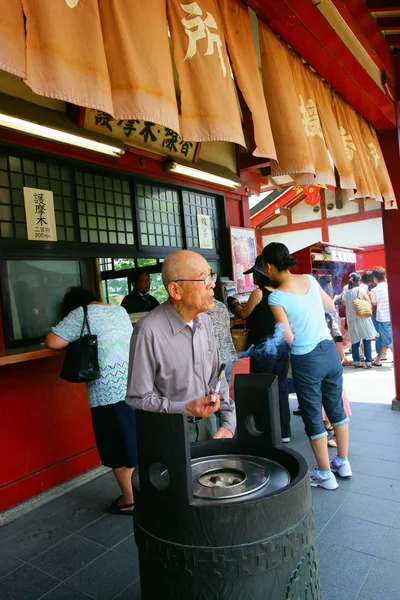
x=234 y=476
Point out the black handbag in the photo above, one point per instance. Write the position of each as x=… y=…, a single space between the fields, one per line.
x=81 y=363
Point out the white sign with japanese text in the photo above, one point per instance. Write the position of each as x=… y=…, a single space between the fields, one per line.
x=205 y=233
x=343 y=256
x=40 y=216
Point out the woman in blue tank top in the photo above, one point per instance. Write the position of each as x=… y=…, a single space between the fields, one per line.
x=300 y=304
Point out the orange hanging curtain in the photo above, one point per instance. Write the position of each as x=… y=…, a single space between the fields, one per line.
x=310 y=116
x=209 y=104
x=65 y=52
x=349 y=129
x=12 y=36
x=293 y=151
x=235 y=16
x=334 y=142
x=139 y=60
x=377 y=163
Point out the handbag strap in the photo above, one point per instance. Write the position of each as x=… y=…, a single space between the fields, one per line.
x=85 y=320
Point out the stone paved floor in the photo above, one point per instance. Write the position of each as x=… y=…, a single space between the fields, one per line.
x=69 y=549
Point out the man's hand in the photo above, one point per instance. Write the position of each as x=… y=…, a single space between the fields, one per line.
x=222 y=432
x=203 y=407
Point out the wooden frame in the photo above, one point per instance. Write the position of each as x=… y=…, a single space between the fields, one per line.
x=244 y=253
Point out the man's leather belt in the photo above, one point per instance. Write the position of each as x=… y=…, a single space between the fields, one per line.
x=194 y=419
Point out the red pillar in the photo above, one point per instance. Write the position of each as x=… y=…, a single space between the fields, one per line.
x=389 y=141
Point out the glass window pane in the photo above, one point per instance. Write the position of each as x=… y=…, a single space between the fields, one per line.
x=112 y=237
x=36 y=289
x=4 y=178
x=4 y=196
x=93 y=236
x=29 y=167
x=7 y=230
x=15 y=164
x=5 y=213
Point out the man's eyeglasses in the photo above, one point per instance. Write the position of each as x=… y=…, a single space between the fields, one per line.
x=212 y=278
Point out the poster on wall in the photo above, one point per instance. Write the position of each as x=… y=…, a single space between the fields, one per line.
x=243 y=250
x=205 y=233
x=40 y=217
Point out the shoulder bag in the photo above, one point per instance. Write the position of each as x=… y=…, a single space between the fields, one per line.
x=362 y=307
x=81 y=363
x=240 y=335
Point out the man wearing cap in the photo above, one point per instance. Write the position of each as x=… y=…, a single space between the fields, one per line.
x=174 y=361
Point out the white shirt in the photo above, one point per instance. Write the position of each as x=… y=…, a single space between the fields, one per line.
x=380 y=297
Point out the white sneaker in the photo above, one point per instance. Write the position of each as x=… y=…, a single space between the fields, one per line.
x=342 y=469
x=286 y=440
x=318 y=480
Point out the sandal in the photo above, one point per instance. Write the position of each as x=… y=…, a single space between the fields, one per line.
x=374 y=364
x=120 y=509
x=347 y=363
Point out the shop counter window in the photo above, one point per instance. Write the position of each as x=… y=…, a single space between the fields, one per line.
x=32 y=295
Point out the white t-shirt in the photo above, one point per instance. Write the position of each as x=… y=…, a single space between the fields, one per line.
x=380 y=297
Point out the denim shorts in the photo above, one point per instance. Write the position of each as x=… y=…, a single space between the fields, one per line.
x=318 y=380
x=385 y=332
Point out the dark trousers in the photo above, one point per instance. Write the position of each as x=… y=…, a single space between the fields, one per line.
x=355 y=351
x=261 y=362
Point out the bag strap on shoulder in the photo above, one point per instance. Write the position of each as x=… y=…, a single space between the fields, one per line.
x=85 y=320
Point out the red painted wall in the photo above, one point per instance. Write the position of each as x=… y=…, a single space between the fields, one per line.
x=46 y=431
x=391 y=227
x=371 y=257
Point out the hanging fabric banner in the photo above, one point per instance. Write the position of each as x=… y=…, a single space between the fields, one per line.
x=377 y=164
x=235 y=16
x=65 y=52
x=310 y=116
x=293 y=151
x=349 y=129
x=333 y=139
x=139 y=61
x=12 y=36
x=209 y=104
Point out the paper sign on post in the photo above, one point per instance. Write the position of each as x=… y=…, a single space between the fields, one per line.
x=205 y=233
x=40 y=216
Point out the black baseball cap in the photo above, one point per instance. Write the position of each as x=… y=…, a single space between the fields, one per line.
x=258 y=266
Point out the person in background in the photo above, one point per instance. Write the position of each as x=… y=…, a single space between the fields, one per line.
x=139 y=299
x=380 y=299
x=220 y=319
x=333 y=320
x=113 y=420
x=360 y=328
x=269 y=353
x=368 y=280
x=300 y=305
x=174 y=360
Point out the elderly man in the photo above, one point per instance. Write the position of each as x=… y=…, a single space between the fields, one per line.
x=174 y=361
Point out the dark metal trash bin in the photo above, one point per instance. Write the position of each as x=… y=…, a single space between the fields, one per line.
x=225 y=519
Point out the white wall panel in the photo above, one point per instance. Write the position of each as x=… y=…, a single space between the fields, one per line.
x=295 y=240
x=359 y=233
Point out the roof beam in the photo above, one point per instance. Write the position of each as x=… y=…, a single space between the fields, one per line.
x=305 y=29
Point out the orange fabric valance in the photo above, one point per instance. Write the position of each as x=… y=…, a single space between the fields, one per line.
x=209 y=104
x=235 y=16
x=12 y=36
x=116 y=56
x=141 y=73
x=65 y=52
